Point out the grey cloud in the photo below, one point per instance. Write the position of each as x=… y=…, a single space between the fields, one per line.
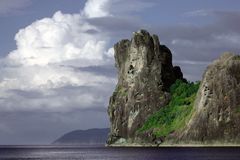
x=12 y=6
x=92 y=31
x=117 y=26
x=105 y=70
x=123 y=18
x=101 y=93
x=63 y=99
x=187 y=42
x=26 y=94
x=202 y=43
x=224 y=18
x=126 y=7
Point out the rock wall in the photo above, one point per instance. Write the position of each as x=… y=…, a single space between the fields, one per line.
x=145 y=73
x=217 y=106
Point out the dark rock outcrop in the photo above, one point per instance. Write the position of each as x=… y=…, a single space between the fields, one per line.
x=145 y=73
x=217 y=106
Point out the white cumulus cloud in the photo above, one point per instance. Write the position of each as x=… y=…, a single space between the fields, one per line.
x=65 y=62
x=96 y=8
x=49 y=56
x=61 y=38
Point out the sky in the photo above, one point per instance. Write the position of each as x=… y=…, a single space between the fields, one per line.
x=56 y=57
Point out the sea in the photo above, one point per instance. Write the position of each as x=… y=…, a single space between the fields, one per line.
x=127 y=153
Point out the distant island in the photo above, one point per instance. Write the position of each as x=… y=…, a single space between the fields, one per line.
x=153 y=104
x=84 y=137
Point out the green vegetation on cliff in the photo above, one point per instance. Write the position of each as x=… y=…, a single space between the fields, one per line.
x=175 y=115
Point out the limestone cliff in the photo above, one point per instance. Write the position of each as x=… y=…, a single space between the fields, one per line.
x=217 y=107
x=145 y=73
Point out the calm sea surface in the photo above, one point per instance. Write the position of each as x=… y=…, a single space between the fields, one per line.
x=103 y=153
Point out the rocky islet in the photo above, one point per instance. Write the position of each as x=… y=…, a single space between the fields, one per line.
x=145 y=75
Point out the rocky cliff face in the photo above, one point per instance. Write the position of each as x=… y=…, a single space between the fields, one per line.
x=217 y=106
x=145 y=73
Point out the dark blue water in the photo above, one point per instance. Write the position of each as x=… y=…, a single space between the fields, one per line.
x=102 y=153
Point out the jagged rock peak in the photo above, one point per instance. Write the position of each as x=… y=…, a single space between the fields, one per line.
x=145 y=73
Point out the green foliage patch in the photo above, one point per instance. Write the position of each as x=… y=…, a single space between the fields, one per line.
x=237 y=57
x=177 y=113
x=238 y=109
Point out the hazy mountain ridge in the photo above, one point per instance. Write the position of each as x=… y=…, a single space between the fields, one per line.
x=84 y=137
